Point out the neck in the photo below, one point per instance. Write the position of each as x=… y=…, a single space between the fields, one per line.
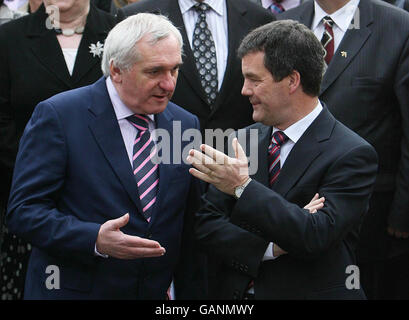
x=74 y=17
x=301 y=108
x=330 y=6
x=34 y=5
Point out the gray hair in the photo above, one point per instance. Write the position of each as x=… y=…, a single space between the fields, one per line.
x=120 y=46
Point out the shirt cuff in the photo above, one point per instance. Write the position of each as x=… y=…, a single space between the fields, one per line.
x=269 y=254
x=96 y=253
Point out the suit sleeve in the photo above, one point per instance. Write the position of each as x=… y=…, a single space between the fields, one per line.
x=242 y=229
x=347 y=187
x=33 y=210
x=399 y=213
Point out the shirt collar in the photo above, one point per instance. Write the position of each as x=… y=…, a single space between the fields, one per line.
x=342 y=17
x=216 y=5
x=296 y=130
x=121 y=110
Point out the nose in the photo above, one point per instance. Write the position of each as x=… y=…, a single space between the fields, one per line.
x=246 y=90
x=168 y=82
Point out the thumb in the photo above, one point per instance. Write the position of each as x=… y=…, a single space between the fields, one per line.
x=120 y=222
x=238 y=150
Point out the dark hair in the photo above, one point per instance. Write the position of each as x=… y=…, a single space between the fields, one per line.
x=288 y=45
x=1 y=2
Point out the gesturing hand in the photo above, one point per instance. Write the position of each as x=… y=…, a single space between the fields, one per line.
x=113 y=242
x=220 y=170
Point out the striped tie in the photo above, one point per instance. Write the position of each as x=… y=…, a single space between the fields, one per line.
x=278 y=139
x=145 y=171
x=276 y=7
x=327 y=39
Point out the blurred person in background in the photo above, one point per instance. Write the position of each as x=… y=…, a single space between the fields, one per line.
x=7 y=14
x=55 y=49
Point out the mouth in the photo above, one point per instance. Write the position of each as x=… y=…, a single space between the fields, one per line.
x=162 y=97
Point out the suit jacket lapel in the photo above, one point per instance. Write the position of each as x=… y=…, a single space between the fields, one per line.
x=45 y=46
x=264 y=137
x=307 y=148
x=350 y=45
x=94 y=32
x=108 y=136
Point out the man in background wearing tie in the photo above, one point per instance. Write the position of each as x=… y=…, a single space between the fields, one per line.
x=366 y=88
x=86 y=191
x=262 y=243
x=278 y=6
x=210 y=78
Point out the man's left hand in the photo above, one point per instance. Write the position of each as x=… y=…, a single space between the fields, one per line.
x=213 y=166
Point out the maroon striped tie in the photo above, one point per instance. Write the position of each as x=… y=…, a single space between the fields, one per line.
x=327 y=39
x=145 y=171
x=277 y=140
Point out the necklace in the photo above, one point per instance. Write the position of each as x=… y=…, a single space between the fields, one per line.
x=70 y=32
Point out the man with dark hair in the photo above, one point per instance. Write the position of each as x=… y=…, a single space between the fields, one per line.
x=366 y=88
x=261 y=243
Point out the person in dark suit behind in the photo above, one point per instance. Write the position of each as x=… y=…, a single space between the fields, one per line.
x=228 y=21
x=86 y=191
x=366 y=88
x=267 y=245
x=403 y=4
x=278 y=6
x=38 y=59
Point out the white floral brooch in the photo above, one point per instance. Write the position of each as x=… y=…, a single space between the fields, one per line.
x=96 y=49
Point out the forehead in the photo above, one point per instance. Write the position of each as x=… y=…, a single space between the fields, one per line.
x=166 y=51
x=253 y=62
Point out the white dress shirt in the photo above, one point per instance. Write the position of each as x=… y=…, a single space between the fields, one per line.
x=342 y=18
x=128 y=131
x=294 y=133
x=216 y=19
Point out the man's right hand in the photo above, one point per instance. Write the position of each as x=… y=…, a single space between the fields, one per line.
x=113 y=242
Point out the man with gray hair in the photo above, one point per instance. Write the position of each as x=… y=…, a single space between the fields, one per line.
x=105 y=220
x=262 y=243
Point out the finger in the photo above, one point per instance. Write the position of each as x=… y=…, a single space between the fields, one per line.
x=315 y=197
x=199 y=157
x=119 y=222
x=146 y=252
x=238 y=150
x=198 y=164
x=200 y=175
x=216 y=155
x=134 y=241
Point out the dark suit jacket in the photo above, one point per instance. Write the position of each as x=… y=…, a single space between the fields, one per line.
x=32 y=69
x=72 y=174
x=368 y=92
x=329 y=159
x=231 y=110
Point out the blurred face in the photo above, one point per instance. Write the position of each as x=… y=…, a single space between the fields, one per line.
x=65 y=5
x=149 y=85
x=268 y=97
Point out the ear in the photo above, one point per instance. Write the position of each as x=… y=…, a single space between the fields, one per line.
x=115 y=73
x=294 y=81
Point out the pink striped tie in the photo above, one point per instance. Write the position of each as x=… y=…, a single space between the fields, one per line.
x=145 y=171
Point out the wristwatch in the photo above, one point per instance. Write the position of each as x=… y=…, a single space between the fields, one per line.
x=239 y=190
